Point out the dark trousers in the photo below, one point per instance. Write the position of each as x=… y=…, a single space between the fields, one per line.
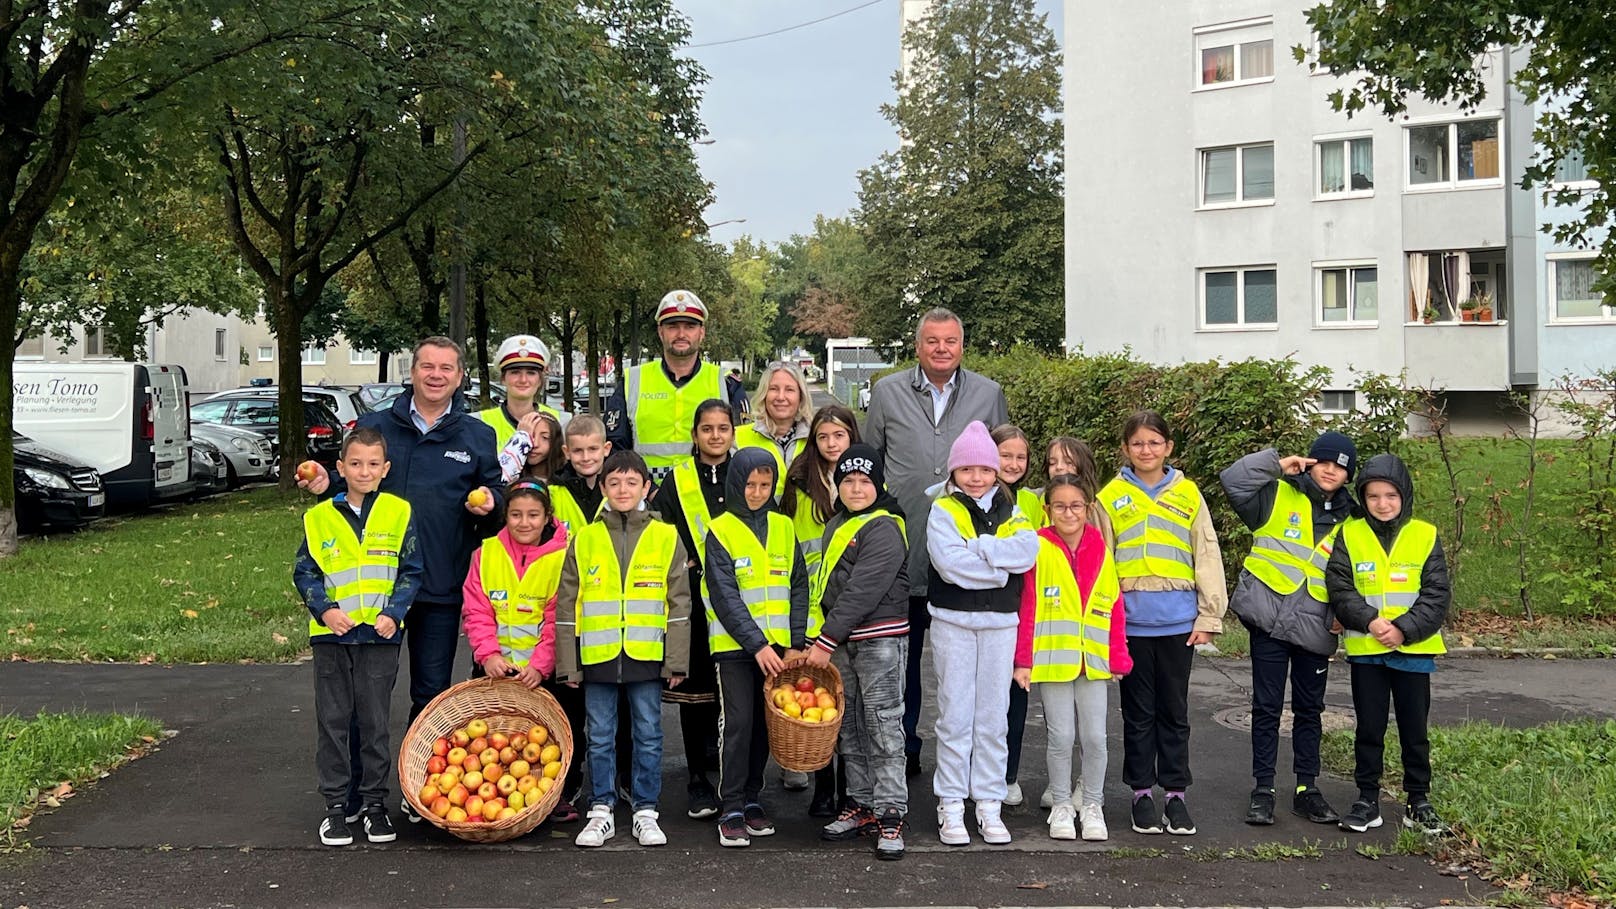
x=1375 y=689
x=353 y=685
x=432 y=634
x=1272 y=660
x=698 y=723
x=1018 y=728
x=745 y=748
x=1156 y=713
x=919 y=621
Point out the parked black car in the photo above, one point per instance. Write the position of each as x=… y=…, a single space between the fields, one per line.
x=210 y=472
x=262 y=415
x=54 y=491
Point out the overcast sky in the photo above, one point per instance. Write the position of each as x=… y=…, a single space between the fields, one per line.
x=794 y=117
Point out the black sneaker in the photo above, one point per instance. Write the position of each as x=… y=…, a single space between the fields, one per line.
x=410 y=813
x=1311 y=804
x=1363 y=815
x=889 y=845
x=1421 y=815
x=1178 y=817
x=732 y=831
x=378 y=829
x=1145 y=818
x=703 y=800
x=911 y=764
x=757 y=820
x=824 y=803
x=334 y=828
x=1260 y=810
x=854 y=821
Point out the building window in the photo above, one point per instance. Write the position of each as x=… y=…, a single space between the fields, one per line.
x=357 y=357
x=1572 y=171
x=1338 y=401
x=1239 y=298
x=1571 y=291
x=218 y=344
x=266 y=353
x=1346 y=167
x=1236 y=53
x=1447 y=155
x=314 y=355
x=96 y=341
x=1241 y=175
x=1348 y=295
x=31 y=348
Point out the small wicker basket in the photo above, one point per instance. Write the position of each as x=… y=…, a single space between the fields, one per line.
x=795 y=744
x=508 y=707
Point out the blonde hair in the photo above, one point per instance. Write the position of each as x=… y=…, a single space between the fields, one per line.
x=805 y=400
x=585 y=424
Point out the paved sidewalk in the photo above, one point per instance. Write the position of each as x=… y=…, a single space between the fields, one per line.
x=224 y=814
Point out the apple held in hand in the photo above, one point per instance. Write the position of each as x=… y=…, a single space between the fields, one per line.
x=307 y=471
x=477 y=498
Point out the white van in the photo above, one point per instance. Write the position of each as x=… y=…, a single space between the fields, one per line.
x=130 y=421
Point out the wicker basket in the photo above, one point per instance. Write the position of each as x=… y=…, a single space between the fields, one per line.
x=507 y=706
x=795 y=744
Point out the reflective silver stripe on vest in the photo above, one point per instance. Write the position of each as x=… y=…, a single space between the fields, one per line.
x=1169 y=554
x=1136 y=532
x=643 y=634
x=1058 y=658
x=1051 y=627
x=1402 y=600
x=1295 y=550
x=522 y=631
x=814 y=545
x=631 y=393
x=662 y=449
x=645 y=607
x=1097 y=636
x=602 y=638
x=341 y=578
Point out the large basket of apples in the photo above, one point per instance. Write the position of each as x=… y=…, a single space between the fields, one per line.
x=486 y=759
x=804 y=715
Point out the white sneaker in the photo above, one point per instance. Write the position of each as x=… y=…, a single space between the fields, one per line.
x=646 y=829
x=600 y=828
x=1013 y=796
x=1093 y=819
x=1047 y=800
x=1062 y=822
x=990 y=825
x=951 y=823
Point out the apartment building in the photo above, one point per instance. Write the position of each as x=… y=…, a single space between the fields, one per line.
x=1218 y=207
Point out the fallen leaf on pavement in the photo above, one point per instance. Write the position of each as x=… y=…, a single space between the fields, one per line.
x=1033 y=885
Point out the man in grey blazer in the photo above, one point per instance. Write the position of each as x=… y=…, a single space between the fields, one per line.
x=914 y=417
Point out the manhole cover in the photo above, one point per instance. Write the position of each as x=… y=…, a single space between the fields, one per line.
x=1240 y=718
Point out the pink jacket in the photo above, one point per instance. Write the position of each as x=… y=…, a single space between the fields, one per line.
x=477 y=614
x=1085 y=566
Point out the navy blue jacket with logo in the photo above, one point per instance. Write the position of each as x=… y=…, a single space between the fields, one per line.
x=434 y=472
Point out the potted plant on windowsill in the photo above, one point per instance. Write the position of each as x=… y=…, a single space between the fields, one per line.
x=1429 y=315
x=1467 y=310
x=1484 y=307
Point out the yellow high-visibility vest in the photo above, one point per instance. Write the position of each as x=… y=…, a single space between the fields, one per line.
x=1153 y=536
x=1390 y=582
x=763 y=575
x=359 y=572
x=568 y=511
x=663 y=413
x=504 y=428
x=1032 y=506
x=810 y=533
x=618 y=613
x=1071 y=635
x=1283 y=555
x=749 y=436
x=518 y=601
x=687 y=486
x=962 y=519
x=839 y=542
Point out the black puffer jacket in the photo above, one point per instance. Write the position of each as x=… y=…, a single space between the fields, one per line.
x=1430 y=610
x=867 y=593
x=723 y=592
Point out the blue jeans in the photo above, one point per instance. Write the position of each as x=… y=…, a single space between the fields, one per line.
x=645 y=716
x=432 y=633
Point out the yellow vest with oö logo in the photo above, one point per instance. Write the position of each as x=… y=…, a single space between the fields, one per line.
x=1390 y=582
x=839 y=541
x=1071 y=636
x=749 y=436
x=618 y=612
x=568 y=511
x=1153 y=537
x=687 y=486
x=763 y=576
x=518 y=601
x=1017 y=522
x=359 y=570
x=663 y=413
x=504 y=428
x=1283 y=554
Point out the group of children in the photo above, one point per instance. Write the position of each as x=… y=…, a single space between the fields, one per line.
x=616 y=595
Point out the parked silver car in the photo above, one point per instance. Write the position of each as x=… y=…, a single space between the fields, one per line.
x=247 y=453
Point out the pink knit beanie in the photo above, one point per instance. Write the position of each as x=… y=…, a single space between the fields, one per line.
x=973 y=448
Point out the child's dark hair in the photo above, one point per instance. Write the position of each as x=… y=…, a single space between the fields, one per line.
x=363 y=435
x=537 y=490
x=1069 y=480
x=1145 y=419
x=1082 y=457
x=625 y=461
x=703 y=409
x=557 y=455
x=808 y=470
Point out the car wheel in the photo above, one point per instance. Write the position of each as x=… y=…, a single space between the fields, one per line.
x=231 y=480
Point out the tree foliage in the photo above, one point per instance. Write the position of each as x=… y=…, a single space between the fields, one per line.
x=817 y=282
x=968 y=213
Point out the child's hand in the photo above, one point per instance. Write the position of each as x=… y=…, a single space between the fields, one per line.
x=487 y=501
x=1023 y=677
x=1336 y=627
x=529 y=676
x=769 y=662
x=496 y=667
x=673 y=681
x=1198 y=637
x=336 y=620
x=818 y=656
x=1296 y=464
x=1386 y=633
x=530 y=424
x=386 y=627
x=320 y=483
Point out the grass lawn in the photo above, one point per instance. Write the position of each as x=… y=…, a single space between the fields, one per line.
x=38 y=754
x=1534 y=805
x=205 y=582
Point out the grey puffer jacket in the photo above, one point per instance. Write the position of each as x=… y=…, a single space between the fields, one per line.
x=1252 y=484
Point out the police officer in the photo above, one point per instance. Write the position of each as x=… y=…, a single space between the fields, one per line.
x=652 y=410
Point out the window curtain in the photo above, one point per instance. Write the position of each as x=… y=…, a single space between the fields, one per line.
x=1332 y=169
x=1256 y=59
x=1363 y=164
x=1456 y=279
x=1419 y=284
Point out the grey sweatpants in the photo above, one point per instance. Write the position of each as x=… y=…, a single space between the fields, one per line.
x=1072 y=709
x=975 y=655
x=353 y=681
x=872 y=731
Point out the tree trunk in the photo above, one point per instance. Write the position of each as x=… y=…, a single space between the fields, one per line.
x=382 y=358
x=479 y=330
x=288 y=317
x=618 y=352
x=10 y=301
x=567 y=335
x=592 y=363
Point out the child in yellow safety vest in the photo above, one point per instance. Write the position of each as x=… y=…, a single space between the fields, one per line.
x=622 y=629
x=756 y=588
x=1072 y=640
x=1388 y=586
x=1171 y=570
x=1015 y=452
x=357 y=570
x=508 y=609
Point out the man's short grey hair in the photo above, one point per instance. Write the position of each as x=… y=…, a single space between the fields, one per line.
x=939 y=314
x=444 y=342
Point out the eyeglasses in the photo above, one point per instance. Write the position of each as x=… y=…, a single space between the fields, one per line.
x=1069 y=508
x=1147 y=444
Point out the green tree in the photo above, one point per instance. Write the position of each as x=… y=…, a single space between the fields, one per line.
x=817 y=283
x=968 y=212
x=1432 y=48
